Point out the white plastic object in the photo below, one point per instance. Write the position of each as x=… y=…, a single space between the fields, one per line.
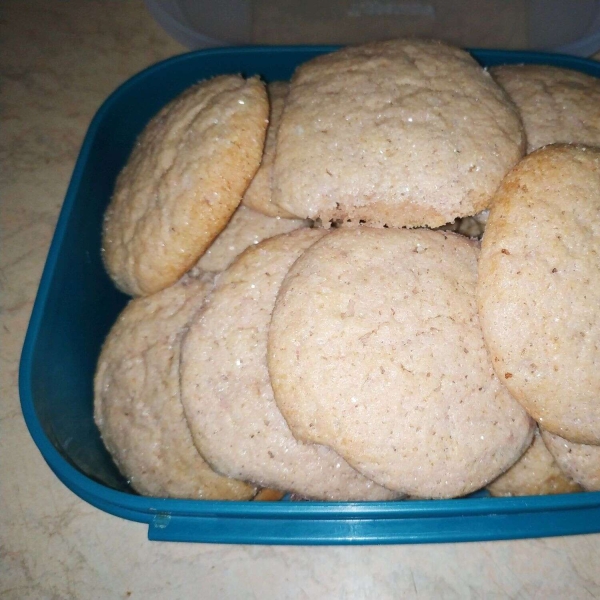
x=561 y=26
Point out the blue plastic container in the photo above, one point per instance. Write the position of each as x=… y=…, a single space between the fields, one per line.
x=76 y=305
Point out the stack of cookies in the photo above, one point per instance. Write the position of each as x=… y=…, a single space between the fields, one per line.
x=315 y=312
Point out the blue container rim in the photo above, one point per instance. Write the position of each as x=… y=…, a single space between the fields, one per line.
x=144 y=509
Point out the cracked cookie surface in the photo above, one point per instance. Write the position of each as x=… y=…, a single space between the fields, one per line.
x=226 y=389
x=259 y=194
x=247 y=227
x=375 y=349
x=581 y=462
x=556 y=105
x=184 y=179
x=539 y=288
x=535 y=473
x=137 y=403
x=399 y=133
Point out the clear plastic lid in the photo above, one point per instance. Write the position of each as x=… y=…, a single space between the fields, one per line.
x=551 y=25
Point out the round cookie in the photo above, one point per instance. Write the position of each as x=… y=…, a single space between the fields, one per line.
x=137 y=404
x=375 y=350
x=556 y=105
x=398 y=133
x=581 y=462
x=227 y=394
x=247 y=227
x=258 y=196
x=183 y=181
x=535 y=473
x=539 y=288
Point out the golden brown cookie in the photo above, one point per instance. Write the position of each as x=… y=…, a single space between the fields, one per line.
x=399 y=133
x=246 y=228
x=556 y=105
x=267 y=495
x=227 y=393
x=258 y=196
x=137 y=404
x=535 y=473
x=539 y=288
x=375 y=350
x=581 y=462
x=184 y=179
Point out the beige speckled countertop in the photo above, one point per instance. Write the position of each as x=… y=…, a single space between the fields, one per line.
x=58 y=60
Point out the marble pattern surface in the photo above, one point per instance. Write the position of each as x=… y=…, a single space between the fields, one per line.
x=58 y=60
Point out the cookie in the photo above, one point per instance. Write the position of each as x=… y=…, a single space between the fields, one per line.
x=247 y=227
x=556 y=105
x=375 y=350
x=539 y=288
x=184 y=179
x=535 y=473
x=398 y=133
x=227 y=394
x=137 y=404
x=581 y=462
x=258 y=196
x=267 y=495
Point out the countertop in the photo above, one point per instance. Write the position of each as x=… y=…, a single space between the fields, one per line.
x=58 y=60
